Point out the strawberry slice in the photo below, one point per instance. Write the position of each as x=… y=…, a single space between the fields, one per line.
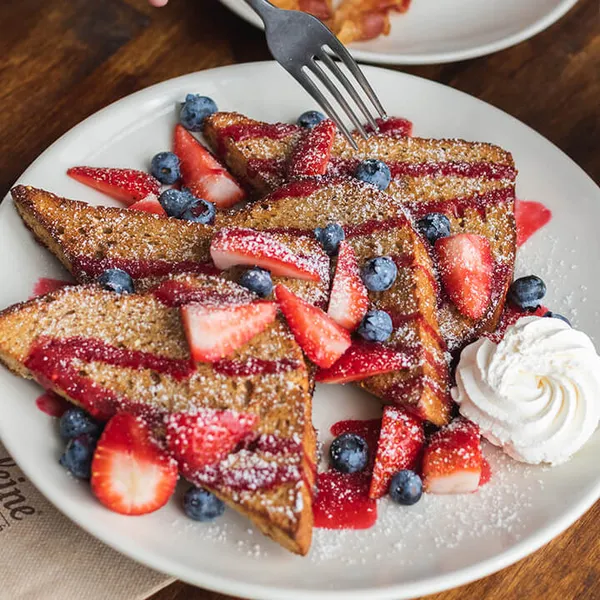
x=149 y=204
x=237 y=246
x=314 y=151
x=400 y=444
x=126 y=185
x=130 y=473
x=206 y=436
x=203 y=174
x=364 y=360
x=466 y=267
x=349 y=299
x=321 y=338
x=214 y=332
x=452 y=462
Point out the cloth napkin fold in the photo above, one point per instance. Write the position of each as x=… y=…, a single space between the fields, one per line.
x=44 y=556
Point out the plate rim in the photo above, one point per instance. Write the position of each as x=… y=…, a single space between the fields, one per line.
x=430 y=58
x=255 y=591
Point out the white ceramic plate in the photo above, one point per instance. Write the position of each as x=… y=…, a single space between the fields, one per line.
x=440 y=542
x=439 y=31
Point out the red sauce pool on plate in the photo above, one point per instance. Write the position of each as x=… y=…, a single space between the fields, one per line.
x=342 y=501
x=52 y=404
x=45 y=285
x=530 y=217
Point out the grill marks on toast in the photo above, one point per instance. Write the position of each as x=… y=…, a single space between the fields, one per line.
x=143 y=325
x=473 y=183
x=412 y=299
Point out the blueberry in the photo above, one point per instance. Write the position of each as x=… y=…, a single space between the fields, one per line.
x=76 y=422
x=257 y=280
x=310 y=119
x=349 y=453
x=165 y=167
x=553 y=315
x=175 y=202
x=78 y=455
x=200 y=505
x=379 y=274
x=330 y=237
x=376 y=326
x=434 y=226
x=406 y=487
x=375 y=172
x=526 y=292
x=195 y=109
x=200 y=211
x=116 y=280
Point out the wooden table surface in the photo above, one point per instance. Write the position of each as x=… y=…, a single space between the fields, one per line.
x=62 y=60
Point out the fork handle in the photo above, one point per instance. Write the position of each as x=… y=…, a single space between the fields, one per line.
x=261 y=7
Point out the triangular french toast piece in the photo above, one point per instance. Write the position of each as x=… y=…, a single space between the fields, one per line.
x=472 y=183
x=375 y=225
x=109 y=352
x=89 y=239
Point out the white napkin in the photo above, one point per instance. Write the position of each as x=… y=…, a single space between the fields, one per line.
x=44 y=556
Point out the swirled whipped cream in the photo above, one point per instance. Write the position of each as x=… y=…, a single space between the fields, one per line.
x=536 y=394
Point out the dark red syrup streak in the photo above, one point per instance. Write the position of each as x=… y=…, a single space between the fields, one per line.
x=486 y=170
x=457 y=206
x=177 y=293
x=342 y=500
x=139 y=269
x=51 y=361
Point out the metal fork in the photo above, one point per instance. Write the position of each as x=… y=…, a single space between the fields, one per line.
x=301 y=44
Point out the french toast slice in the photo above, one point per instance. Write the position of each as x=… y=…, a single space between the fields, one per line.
x=89 y=239
x=473 y=184
x=108 y=352
x=375 y=224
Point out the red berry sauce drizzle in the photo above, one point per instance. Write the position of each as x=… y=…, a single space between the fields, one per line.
x=52 y=404
x=45 y=285
x=530 y=217
x=342 y=500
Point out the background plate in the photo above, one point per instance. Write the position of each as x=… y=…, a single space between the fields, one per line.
x=439 y=31
x=436 y=544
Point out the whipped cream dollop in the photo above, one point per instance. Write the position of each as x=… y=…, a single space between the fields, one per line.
x=536 y=394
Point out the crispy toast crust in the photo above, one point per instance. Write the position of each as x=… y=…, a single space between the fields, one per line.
x=143 y=323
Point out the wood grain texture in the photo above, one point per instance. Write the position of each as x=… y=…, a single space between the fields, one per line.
x=62 y=60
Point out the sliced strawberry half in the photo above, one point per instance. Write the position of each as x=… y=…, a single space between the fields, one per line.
x=214 y=332
x=206 y=436
x=349 y=299
x=131 y=475
x=321 y=338
x=203 y=174
x=364 y=360
x=452 y=461
x=126 y=185
x=466 y=268
x=237 y=246
x=400 y=445
x=149 y=204
x=313 y=153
